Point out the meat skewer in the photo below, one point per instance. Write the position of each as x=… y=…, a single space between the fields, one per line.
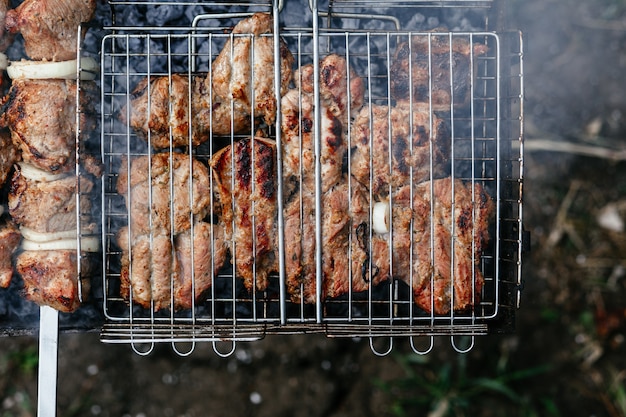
x=41 y=115
x=9 y=241
x=50 y=27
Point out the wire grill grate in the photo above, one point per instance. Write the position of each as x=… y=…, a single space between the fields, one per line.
x=481 y=133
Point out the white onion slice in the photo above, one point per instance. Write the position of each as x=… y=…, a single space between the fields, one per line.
x=35 y=236
x=380 y=217
x=41 y=70
x=4 y=61
x=31 y=172
x=87 y=244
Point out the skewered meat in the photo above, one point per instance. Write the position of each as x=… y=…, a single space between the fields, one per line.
x=8 y=156
x=9 y=240
x=249 y=206
x=50 y=27
x=298 y=144
x=439 y=64
x=51 y=278
x=41 y=115
x=413 y=145
x=445 y=251
x=244 y=69
x=343 y=91
x=157 y=253
x=165 y=128
x=5 y=37
x=47 y=206
x=153 y=203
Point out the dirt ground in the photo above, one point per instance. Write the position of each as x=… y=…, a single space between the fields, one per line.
x=567 y=356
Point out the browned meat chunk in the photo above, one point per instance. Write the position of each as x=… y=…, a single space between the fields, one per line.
x=154 y=201
x=9 y=240
x=446 y=250
x=244 y=69
x=156 y=254
x=166 y=121
x=51 y=278
x=41 y=115
x=249 y=207
x=8 y=156
x=156 y=266
x=297 y=129
x=48 y=206
x=440 y=70
x=50 y=27
x=345 y=244
x=412 y=144
x=342 y=90
x=5 y=37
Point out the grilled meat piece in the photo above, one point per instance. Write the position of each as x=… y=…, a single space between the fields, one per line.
x=197 y=261
x=445 y=251
x=48 y=206
x=413 y=144
x=439 y=64
x=9 y=240
x=165 y=122
x=8 y=156
x=157 y=254
x=342 y=90
x=51 y=278
x=345 y=243
x=244 y=69
x=154 y=202
x=188 y=266
x=41 y=115
x=50 y=27
x=297 y=127
x=249 y=206
x=5 y=37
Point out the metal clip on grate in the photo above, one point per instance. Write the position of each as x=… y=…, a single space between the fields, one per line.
x=376 y=193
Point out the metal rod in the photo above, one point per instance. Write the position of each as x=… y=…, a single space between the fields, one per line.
x=48 y=357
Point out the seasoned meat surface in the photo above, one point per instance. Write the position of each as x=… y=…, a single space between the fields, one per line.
x=41 y=115
x=9 y=240
x=297 y=128
x=341 y=89
x=154 y=202
x=159 y=112
x=8 y=156
x=439 y=70
x=50 y=27
x=446 y=250
x=47 y=206
x=249 y=207
x=345 y=247
x=5 y=37
x=51 y=278
x=413 y=144
x=158 y=255
x=244 y=69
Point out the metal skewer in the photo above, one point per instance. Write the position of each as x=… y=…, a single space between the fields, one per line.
x=48 y=356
